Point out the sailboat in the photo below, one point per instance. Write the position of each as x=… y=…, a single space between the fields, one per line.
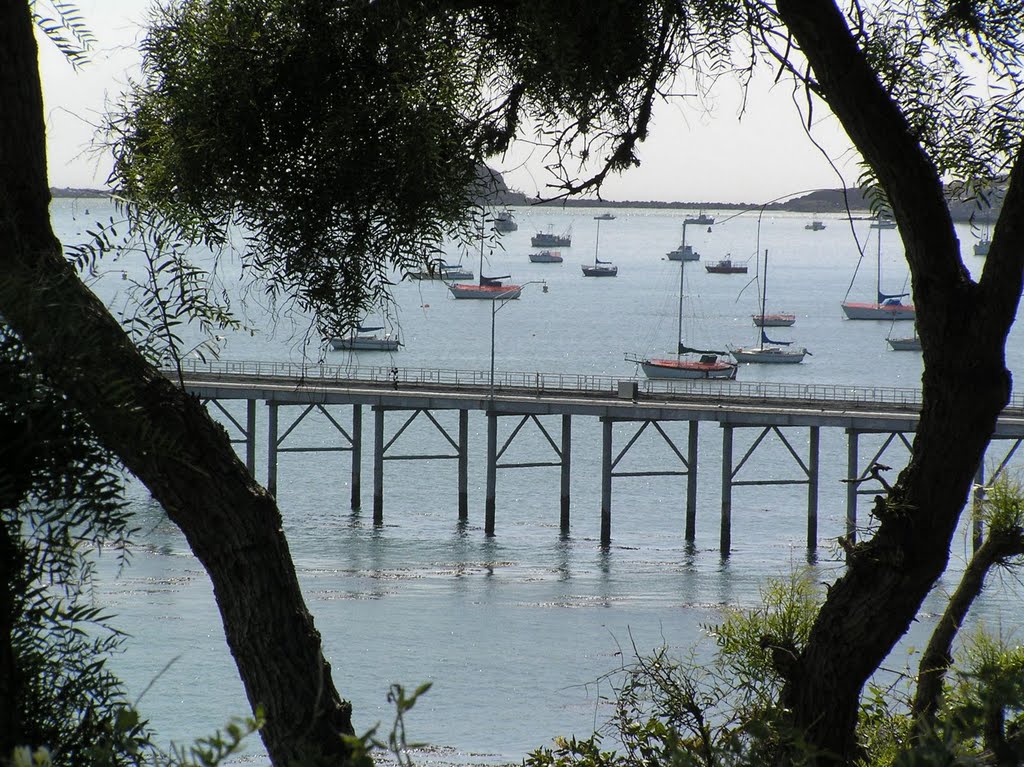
x=889 y=305
x=767 y=350
x=489 y=288
x=907 y=344
x=366 y=339
x=910 y=344
x=600 y=268
x=688 y=362
x=773 y=319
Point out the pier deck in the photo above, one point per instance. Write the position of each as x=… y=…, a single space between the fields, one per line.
x=770 y=407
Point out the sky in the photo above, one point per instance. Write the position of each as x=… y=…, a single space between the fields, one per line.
x=696 y=152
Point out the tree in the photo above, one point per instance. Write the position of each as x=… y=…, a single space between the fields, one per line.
x=458 y=81
x=160 y=434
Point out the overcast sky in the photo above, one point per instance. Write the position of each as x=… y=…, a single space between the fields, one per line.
x=691 y=155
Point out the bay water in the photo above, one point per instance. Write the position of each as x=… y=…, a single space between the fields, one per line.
x=518 y=633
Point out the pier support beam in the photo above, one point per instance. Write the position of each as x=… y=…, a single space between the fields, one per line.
x=250 y=436
x=272 y=408
x=813 y=465
x=492 y=471
x=357 y=454
x=463 y=470
x=378 y=465
x=606 y=482
x=725 y=529
x=566 y=470
x=852 y=475
x=691 y=483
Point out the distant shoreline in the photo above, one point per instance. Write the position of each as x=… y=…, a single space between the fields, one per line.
x=822 y=201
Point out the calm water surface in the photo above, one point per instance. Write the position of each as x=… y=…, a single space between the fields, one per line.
x=516 y=632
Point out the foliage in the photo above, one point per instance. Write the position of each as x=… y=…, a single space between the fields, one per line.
x=335 y=135
x=64 y=26
x=720 y=711
x=363 y=746
x=696 y=711
x=166 y=292
x=60 y=498
x=985 y=702
x=213 y=750
x=1002 y=507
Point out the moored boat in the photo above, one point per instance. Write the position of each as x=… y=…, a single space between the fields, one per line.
x=599 y=268
x=777 y=320
x=366 y=339
x=910 y=344
x=546 y=257
x=888 y=307
x=768 y=351
x=504 y=223
x=725 y=266
x=551 y=240
x=684 y=252
x=700 y=220
x=688 y=363
x=488 y=288
x=443 y=272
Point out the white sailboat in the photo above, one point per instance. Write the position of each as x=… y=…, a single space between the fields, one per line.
x=488 y=288
x=888 y=307
x=767 y=350
x=366 y=339
x=600 y=268
x=905 y=344
x=688 y=362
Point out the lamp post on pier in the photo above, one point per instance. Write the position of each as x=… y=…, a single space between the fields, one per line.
x=499 y=301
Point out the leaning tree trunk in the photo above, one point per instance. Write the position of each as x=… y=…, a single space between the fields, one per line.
x=162 y=435
x=963 y=328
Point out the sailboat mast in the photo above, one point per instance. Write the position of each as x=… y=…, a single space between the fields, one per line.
x=764 y=295
x=483 y=226
x=597 y=240
x=878 y=268
x=679 y=311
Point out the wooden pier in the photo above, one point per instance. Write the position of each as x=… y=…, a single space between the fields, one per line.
x=776 y=411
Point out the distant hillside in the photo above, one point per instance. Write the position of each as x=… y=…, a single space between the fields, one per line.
x=66 y=191
x=820 y=201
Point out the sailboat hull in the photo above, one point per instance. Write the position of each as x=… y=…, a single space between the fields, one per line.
x=600 y=270
x=487 y=292
x=889 y=312
x=688 y=369
x=773 y=355
x=912 y=344
x=365 y=343
x=773 y=320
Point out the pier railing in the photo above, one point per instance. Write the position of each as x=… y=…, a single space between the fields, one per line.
x=536 y=383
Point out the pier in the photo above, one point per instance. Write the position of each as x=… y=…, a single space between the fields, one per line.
x=792 y=415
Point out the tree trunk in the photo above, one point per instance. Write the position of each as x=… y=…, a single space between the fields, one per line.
x=161 y=434
x=963 y=327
